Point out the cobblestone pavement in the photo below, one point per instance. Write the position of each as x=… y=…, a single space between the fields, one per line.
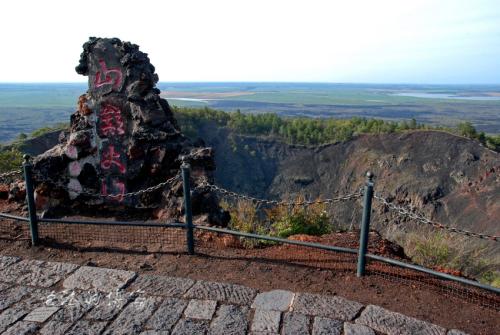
x=52 y=298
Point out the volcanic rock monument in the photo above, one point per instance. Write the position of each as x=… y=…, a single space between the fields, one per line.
x=123 y=138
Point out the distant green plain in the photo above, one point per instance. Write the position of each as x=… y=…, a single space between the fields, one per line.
x=27 y=107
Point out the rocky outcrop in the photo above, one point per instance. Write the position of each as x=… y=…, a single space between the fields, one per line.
x=450 y=179
x=123 y=138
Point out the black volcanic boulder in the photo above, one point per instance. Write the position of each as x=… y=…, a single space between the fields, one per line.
x=123 y=138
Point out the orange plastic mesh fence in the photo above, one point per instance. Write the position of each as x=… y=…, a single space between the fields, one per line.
x=166 y=239
x=150 y=239
x=14 y=230
x=419 y=280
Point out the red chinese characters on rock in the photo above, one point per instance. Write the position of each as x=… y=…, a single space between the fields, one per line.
x=111 y=121
x=111 y=185
x=110 y=158
x=112 y=76
x=118 y=189
x=111 y=124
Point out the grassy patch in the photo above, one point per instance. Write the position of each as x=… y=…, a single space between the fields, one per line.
x=446 y=252
x=292 y=220
x=279 y=221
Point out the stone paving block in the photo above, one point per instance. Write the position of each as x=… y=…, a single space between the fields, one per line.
x=4 y=286
x=33 y=300
x=266 y=321
x=41 y=314
x=55 y=328
x=190 y=327
x=295 y=324
x=333 y=307
x=38 y=296
x=101 y=279
x=12 y=274
x=37 y=273
x=11 y=315
x=106 y=307
x=234 y=294
x=167 y=315
x=71 y=313
x=85 y=327
x=5 y=261
x=162 y=285
x=200 y=309
x=155 y=332
x=327 y=326
x=230 y=320
x=354 y=329
x=13 y=295
x=22 y=328
x=392 y=323
x=19 y=310
x=456 y=332
x=276 y=300
x=133 y=317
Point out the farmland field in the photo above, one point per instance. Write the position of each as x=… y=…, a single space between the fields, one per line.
x=26 y=107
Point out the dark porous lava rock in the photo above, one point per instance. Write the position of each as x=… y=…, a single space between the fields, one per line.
x=123 y=138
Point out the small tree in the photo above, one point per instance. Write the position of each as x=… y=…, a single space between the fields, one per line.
x=10 y=160
x=413 y=124
x=467 y=129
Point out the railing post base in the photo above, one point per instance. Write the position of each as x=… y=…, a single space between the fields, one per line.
x=30 y=199
x=365 y=225
x=188 y=214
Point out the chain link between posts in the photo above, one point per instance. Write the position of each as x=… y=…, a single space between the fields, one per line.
x=115 y=196
x=402 y=211
x=224 y=192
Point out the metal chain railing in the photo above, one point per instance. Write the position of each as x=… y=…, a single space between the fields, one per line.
x=410 y=213
x=235 y=195
x=143 y=191
x=113 y=196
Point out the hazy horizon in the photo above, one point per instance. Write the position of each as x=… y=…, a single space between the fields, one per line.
x=271 y=82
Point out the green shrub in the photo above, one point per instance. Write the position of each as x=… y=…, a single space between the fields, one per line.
x=279 y=221
x=493 y=142
x=245 y=218
x=45 y=130
x=288 y=221
x=491 y=278
x=466 y=129
x=432 y=252
x=10 y=160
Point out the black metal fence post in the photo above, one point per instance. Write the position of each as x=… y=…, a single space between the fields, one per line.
x=28 y=179
x=188 y=214
x=365 y=224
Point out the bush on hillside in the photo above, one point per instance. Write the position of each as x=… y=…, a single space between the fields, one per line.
x=310 y=220
x=310 y=131
x=10 y=160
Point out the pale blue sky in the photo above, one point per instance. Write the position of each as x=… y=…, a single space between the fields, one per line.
x=369 y=41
